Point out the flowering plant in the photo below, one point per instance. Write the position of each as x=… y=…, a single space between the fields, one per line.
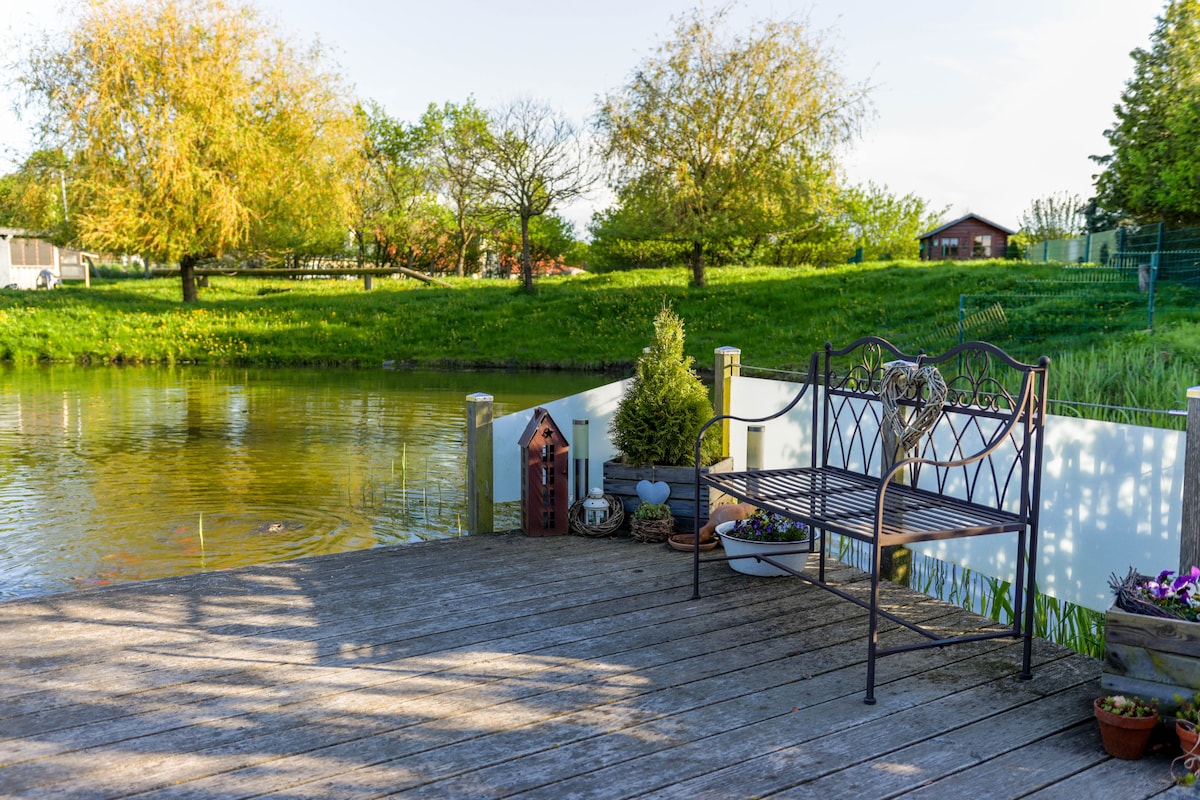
x=1124 y=706
x=1168 y=595
x=1178 y=594
x=766 y=526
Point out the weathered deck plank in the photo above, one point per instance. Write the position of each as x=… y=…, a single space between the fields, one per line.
x=504 y=666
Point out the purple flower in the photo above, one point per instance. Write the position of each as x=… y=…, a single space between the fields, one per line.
x=1180 y=595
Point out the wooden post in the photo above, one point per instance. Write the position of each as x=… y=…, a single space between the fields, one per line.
x=728 y=365
x=480 y=491
x=1189 y=533
x=895 y=561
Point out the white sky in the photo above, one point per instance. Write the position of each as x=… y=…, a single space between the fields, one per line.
x=981 y=106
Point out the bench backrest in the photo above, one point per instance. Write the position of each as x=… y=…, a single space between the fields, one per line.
x=991 y=401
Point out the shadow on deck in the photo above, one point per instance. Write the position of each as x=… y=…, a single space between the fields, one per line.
x=500 y=666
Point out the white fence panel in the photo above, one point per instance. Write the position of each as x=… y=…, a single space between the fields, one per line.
x=1112 y=496
x=595 y=405
x=1111 y=493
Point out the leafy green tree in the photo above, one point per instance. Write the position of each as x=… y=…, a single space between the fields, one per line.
x=621 y=242
x=886 y=225
x=535 y=163
x=458 y=141
x=1153 y=171
x=34 y=196
x=396 y=215
x=191 y=128
x=720 y=135
x=1055 y=216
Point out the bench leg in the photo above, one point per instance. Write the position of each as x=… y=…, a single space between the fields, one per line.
x=873 y=626
x=1030 y=595
x=823 y=551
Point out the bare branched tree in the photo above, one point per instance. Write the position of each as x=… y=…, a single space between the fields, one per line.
x=537 y=162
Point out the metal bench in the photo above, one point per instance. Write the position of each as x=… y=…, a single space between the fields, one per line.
x=909 y=448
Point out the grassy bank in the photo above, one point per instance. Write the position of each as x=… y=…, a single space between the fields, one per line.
x=776 y=317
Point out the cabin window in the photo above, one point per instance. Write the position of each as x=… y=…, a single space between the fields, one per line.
x=950 y=247
x=31 y=253
x=982 y=248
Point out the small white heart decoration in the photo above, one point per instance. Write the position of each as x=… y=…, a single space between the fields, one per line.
x=656 y=492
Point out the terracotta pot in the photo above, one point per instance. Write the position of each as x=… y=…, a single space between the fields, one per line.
x=1124 y=737
x=1188 y=738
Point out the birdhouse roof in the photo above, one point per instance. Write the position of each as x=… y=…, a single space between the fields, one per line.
x=542 y=421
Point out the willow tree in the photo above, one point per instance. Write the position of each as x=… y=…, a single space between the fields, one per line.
x=192 y=128
x=720 y=134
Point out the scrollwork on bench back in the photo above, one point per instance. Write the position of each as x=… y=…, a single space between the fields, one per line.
x=993 y=403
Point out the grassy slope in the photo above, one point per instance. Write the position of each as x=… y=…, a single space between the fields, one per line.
x=775 y=316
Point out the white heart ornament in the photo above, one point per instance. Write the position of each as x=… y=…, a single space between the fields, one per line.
x=656 y=492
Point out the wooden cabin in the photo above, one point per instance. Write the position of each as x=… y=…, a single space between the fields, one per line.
x=964 y=239
x=27 y=262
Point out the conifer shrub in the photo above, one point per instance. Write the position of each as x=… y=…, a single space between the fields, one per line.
x=665 y=406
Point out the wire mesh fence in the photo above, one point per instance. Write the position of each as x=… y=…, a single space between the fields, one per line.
x=1131 y=278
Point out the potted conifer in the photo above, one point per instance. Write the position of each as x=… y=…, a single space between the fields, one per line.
x=655 y=427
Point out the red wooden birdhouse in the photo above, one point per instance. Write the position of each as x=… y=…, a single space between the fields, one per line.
x=544 y=482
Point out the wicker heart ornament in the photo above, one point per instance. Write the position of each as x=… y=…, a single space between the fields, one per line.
x=905 y=379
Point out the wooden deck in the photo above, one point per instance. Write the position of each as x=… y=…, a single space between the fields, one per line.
x=502 y=666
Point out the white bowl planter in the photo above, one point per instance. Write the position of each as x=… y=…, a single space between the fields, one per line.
x=752 y=566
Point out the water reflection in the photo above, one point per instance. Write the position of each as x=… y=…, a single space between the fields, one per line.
x=118 y=474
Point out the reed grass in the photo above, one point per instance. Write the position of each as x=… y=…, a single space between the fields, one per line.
x=1068 y=624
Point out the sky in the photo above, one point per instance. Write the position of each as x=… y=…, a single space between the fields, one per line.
x=979 y=107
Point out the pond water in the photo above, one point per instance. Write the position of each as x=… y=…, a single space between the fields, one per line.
x=122 y=474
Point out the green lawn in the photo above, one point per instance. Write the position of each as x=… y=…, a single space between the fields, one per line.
x=600 y=321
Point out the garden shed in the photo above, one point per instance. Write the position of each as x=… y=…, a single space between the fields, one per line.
x=24 y=257
x=965 y=238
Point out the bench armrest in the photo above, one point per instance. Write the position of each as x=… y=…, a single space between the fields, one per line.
x=809 y=381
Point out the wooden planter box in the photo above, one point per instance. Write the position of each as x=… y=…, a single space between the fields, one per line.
x=621 y=480
x=1151 y=657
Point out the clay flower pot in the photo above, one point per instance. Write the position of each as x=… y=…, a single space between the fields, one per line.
x=1124 y=737
x=1188 y=739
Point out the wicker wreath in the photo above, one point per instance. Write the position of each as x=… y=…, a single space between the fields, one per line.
x=902 y=378
x=616 y=516
x=651 y=531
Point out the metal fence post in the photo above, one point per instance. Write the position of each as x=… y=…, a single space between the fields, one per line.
x=1189 y=529
x=728 y=365
x=480 y=489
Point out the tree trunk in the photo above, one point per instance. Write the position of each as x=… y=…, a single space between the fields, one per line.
x=460 y=268
x=698 y=264
x=187 y=266
x=362 y=258
x=526 y=265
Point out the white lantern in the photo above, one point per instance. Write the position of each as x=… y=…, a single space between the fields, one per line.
x=595 y=509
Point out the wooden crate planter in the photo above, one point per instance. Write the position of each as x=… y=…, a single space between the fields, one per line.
x=621 y=480
x=1151 y=657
